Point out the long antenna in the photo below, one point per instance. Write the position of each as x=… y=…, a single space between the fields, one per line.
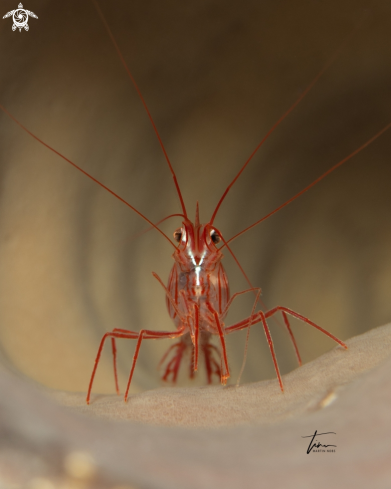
x=373 y=138
x=273 y=128
x=143 y=102
x=85 y=173
x=134 y=236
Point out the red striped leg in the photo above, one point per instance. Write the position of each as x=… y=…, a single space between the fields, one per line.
x=285 y=311
x=250 y=321
x=258 y=317
x=245 y=323
x=306 y=320
x=127 y=334
x=212 y=367
x=174 y=364
x=224 y=360
x=258 y=289
x=114 y=350
x=196 y=335
x=175 y=345
x=286 y=321
x=148 y=334
x=248 y=336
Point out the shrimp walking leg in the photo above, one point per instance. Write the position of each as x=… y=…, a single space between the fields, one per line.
x=254 y=289
x=132 y=335
x=196 y=335
x=114 y=350
x=258 y=295
x=263 y=316
x=172 y=368
x=212 y=367
x=237 y=294
x=221 y=332
x=286 y=321
x=306 y=320
x=147 y=334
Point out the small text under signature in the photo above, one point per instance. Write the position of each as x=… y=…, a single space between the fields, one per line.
x=317 y=445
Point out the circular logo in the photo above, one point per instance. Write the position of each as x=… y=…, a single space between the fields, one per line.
x=20 y=18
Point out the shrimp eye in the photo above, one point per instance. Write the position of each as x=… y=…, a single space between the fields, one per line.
x=178 y=235
x=215 y=237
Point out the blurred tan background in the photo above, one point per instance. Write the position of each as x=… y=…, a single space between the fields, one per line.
x=216 y=76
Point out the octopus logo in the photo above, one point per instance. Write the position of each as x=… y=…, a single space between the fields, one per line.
x=20 y=17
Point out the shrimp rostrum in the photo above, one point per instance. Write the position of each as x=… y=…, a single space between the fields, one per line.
x=197 y=293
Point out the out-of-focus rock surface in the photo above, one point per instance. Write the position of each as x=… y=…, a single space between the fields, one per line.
x=40 y=438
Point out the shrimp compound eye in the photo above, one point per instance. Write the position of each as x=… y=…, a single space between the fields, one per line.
x=215 y=236
x=178 y=234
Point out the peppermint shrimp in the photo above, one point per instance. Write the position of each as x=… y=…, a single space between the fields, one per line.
x=197 y=293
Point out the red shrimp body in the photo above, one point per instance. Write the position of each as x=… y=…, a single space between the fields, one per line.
x=198 y=289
